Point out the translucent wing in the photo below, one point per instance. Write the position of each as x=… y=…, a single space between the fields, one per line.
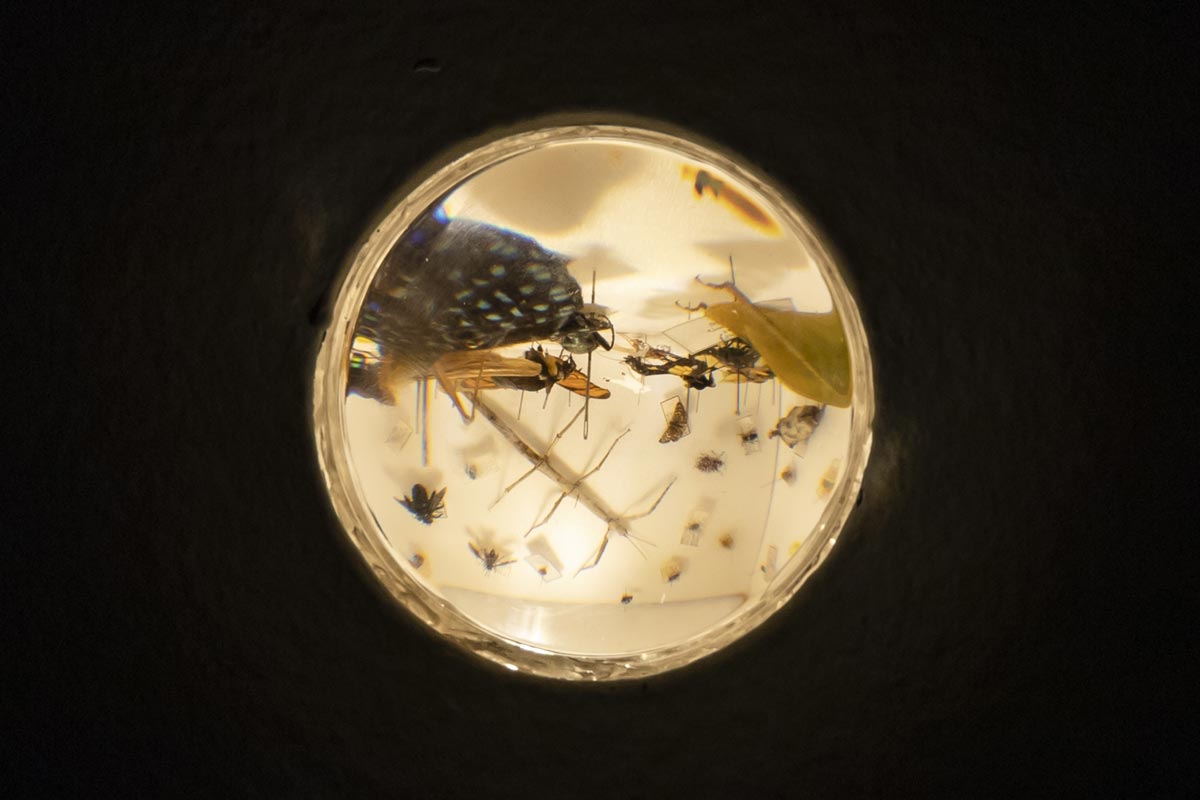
x=474 y=364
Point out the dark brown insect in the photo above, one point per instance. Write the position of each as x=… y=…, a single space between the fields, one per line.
x=490 y=557
x=677 y=426
x=423 y=505
x=705 y=183
x=626 y=599
x=710 y=462
x=736 y=355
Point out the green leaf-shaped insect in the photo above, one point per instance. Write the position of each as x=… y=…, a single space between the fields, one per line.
x=808 y=352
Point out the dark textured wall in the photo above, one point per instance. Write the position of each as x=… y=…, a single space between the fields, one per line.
x=1007 y=613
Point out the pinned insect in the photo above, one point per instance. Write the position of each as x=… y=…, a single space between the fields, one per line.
x=537 y=370
x=620 y=526
x=677 y=425
x=736 y=355
x=691 y=533
x=807 y=352
x=423 y=505
x=748 y=436
x=543 y=560
x=710 y=462
x=704 y=183
x=695 y=373
x=454 y=284
x=797 y=427
x=490 y=557
x=626 y=599
x=768 y=567
x=671 y=570
x=829 y=478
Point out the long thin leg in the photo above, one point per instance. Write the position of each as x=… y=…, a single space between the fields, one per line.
x=541 y=459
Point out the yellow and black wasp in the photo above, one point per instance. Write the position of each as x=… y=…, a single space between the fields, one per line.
x=694 y=372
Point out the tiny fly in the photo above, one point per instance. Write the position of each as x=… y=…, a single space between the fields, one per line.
x=423 y=505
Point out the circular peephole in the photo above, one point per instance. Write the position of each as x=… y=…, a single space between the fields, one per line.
x=594 y=401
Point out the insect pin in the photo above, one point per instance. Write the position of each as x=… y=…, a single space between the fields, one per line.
x=581 y=334
x=677 y=424
x=710 y=462
x=423 y=505
x=491 y=558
